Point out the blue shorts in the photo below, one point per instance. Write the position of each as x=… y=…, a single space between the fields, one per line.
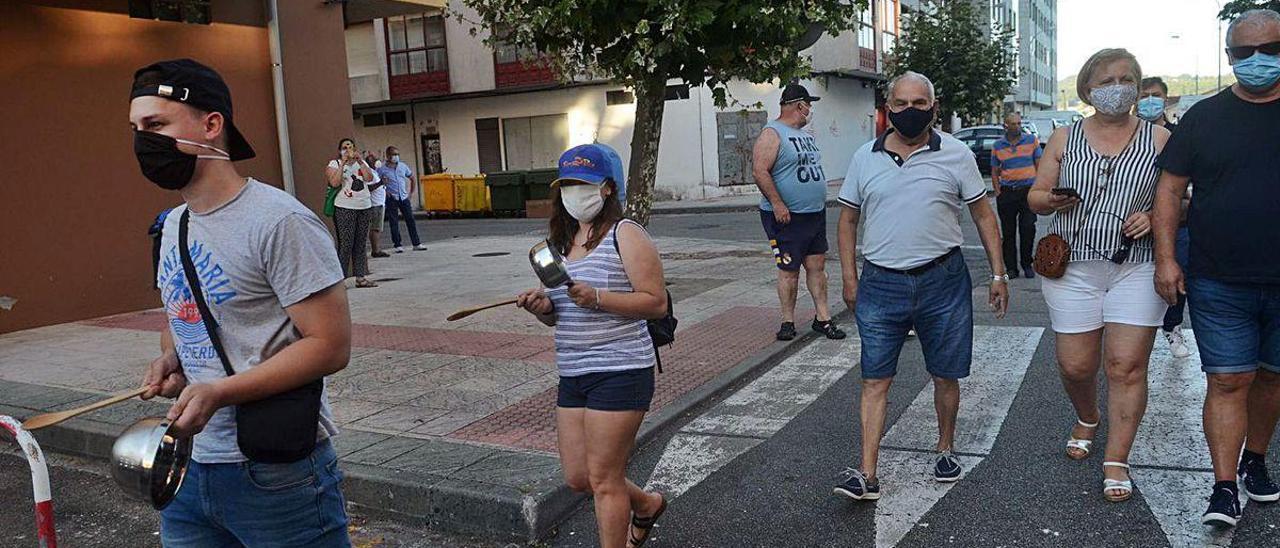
x=258 y=504
x=630 y=390
x=1237 y=326
x=937 y=303
x=805 y=235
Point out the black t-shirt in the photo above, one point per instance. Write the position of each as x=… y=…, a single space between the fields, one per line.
x=1230 y=148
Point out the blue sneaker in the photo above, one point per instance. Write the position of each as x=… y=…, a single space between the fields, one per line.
x=1224 y=508
x=947 y=469
x=857 y=487
x=1257 y=484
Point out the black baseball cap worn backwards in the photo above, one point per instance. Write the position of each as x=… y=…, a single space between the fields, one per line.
x=794 y=93
x=190 y=82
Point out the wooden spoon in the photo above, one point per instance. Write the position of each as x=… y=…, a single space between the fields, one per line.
x=467 y=312
x=50 y=419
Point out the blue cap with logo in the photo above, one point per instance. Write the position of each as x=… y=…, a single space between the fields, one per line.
x=593 y=164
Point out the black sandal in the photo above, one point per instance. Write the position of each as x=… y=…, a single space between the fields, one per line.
x=828 y=329
x=646 y=524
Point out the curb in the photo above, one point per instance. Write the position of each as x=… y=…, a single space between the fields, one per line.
x=523 y=512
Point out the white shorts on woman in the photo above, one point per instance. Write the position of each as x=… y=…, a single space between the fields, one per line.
x=1094 y=293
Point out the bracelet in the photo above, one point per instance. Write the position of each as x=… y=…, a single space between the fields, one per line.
x=597 y=305
x=1002 y=278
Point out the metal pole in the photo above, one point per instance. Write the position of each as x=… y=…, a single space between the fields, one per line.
x=45 y=533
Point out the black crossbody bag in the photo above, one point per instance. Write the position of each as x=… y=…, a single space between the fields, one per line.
x=278 y=429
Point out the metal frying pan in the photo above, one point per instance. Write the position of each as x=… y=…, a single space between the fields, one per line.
x=549 y=265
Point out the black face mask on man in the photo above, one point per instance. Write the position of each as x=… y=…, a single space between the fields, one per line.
x=164 y=164
x=911 y=122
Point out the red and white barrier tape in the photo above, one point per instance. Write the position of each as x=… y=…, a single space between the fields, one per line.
x=39 y=481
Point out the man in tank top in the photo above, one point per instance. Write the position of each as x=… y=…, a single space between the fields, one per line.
x=787 y=166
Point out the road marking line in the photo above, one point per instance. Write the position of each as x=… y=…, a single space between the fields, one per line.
x=1000 y=361
x=1172 y=436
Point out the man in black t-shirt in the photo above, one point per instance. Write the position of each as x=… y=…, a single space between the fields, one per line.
x=1229 y=145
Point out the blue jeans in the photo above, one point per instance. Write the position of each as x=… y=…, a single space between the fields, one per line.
x=396 y=208
x=1182 y=249
x=937 y=303
x=255 y=504
x=1237 y=326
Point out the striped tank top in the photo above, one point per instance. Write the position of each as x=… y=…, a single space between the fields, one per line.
x=595 y=341
x=1111 y=188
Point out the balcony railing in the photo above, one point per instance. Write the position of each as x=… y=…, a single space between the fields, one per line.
x=521 y=74
x=422 y=84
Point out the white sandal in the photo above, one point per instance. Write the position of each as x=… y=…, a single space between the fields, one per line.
x=1125 y=487
x=1081 y=445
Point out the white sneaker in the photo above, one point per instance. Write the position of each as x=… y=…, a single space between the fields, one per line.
x=1177 y=343
x=399 y=249
x=420 y=247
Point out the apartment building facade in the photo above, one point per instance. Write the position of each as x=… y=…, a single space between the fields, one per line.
x=425 y=83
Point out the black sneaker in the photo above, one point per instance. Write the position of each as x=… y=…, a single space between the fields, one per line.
x=1257 y=484
x=787 y=331
x=829 y=329
x=1013 y=273
x=946 y=469
x=1224 y=508
x=856 y=486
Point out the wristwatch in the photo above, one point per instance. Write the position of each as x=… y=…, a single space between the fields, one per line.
x=1000 y=278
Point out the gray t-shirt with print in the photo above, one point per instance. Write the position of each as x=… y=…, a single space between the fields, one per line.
x=255 y=255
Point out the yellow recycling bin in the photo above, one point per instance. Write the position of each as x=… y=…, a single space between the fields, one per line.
x=470 y=195
x=438 y=193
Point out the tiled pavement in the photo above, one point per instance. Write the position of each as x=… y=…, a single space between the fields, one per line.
x=432 y=411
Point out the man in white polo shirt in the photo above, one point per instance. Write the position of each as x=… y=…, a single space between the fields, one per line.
x=912 y=184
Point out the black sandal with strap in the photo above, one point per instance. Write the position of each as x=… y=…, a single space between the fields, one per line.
x=645 y=524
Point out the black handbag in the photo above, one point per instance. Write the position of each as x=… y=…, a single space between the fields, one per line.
x=662 y=330
x=278 y=429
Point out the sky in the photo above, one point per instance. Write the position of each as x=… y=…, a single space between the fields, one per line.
x=1145 y=28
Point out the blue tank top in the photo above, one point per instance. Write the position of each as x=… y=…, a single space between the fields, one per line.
x=797 y=171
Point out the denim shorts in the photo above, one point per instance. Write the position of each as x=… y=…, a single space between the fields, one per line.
x=630 y=390
x=1237 y=326
x=258 y=504
x=937 y=303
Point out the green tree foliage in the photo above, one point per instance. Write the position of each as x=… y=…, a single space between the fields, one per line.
x=972 y=70
x=1236 y=7
x=645 y=43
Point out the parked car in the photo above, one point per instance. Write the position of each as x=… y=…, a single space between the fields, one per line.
x=981 y=139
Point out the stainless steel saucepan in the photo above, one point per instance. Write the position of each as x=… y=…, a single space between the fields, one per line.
x=149 y=462
x=549 y=265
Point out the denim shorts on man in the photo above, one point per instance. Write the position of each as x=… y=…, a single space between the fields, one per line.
x=1237 y=326
x=258 y=504
x=805 y=235
x=630 y=390
x=937 y=302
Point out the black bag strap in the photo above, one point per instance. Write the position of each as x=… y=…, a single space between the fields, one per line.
x=193 y=284
x=156 y=231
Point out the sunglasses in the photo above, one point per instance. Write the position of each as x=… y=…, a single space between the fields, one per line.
x=1245 y=52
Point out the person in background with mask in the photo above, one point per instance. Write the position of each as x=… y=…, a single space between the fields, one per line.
x=352 y=208
x=378 y=197
x=1229 y=145
x=1151 y=107
x=787 y=166
x=1104 y=310
x=912 y=184
x=399 y=179
x=1014 y=160
x=269 y=276
x=604 y=352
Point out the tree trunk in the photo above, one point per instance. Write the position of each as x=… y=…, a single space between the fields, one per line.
x=643 y=172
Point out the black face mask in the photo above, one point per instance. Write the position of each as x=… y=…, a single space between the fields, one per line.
x=911 y=122
x=162 y=162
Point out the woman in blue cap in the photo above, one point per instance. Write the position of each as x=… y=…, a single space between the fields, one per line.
x=603 y=349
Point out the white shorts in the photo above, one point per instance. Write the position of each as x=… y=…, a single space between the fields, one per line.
x=1094 y=293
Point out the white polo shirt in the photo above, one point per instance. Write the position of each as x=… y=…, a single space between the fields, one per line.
x=912 y=208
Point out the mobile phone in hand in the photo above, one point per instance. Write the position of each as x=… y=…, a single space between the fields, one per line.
x=1068 y=192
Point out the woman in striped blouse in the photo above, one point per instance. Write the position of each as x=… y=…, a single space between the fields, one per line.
x=1098 y=179
x=603 y=349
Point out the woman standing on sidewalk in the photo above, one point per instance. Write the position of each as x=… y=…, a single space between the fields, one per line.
x=1098 y=180
x=352 y=208
x=603 y=349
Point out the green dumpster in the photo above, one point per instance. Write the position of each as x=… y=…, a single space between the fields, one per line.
x=507 y=190
x=539 y=182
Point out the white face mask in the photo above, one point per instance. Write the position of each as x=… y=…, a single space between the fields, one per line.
x=395 y=158
x=583 y=202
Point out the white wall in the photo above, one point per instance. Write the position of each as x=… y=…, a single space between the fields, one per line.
x=366 y=63
x=470 y=60
x=376 y=139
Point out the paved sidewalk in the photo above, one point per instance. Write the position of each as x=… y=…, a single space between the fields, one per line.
x=447 y=423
